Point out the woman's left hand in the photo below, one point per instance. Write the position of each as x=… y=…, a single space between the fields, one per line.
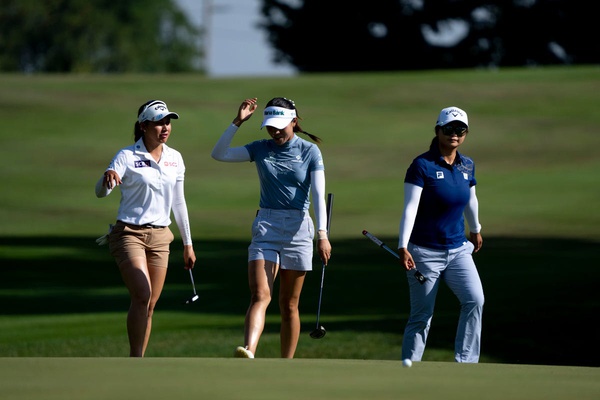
x=189 y=257
x=324 y=249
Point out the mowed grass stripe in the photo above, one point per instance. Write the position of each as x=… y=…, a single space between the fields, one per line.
x=122 y=378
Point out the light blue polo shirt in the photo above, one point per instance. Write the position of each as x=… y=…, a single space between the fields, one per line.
x=446 y=192
x=284 y=172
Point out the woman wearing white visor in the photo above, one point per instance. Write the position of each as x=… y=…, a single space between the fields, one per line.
x=290 y=170
x=150 y=175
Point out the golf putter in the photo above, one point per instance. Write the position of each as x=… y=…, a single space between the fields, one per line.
x=418 y=275
x=320 y=331
x=195 y=296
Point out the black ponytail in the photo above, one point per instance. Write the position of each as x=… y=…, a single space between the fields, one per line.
x=138 y=133
x=434 y=143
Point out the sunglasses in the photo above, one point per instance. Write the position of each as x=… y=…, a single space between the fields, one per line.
x=450 y=130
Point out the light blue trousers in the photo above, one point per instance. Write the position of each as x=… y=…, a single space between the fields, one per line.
x=457 y=268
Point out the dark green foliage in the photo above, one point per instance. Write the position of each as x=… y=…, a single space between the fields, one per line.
x=96 y=36
x=337 y=35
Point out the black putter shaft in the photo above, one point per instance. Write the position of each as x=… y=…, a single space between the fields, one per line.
x=419 y=276
x=192 y=279
x=320 y=331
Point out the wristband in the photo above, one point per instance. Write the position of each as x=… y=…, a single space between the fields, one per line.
x=322 y=235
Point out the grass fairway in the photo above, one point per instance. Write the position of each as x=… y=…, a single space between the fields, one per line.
x=63 y=304
x=218 y=378
x=531 y=135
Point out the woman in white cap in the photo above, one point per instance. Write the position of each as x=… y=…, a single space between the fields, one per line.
x=290 y=171
x=439 y=193
x=150 y=175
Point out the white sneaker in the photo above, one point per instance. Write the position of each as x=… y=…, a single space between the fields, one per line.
x=243 y=352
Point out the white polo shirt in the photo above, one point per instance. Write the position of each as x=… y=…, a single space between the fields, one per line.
x=148 y=188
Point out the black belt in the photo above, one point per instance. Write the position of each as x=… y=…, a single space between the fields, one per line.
x=152 y=226
x=144 y=225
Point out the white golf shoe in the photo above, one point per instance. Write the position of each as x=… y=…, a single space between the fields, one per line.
x=242 y=352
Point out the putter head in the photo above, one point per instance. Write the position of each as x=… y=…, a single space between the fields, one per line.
x=193 y=299
x=318 y=333
x=420 y=277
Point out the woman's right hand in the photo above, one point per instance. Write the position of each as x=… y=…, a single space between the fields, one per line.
x=245 y=111
x=111 y=179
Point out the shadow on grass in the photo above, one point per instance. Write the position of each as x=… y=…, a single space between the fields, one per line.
x=541 y=306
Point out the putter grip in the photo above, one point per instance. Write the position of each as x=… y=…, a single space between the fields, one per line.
x=380 y=244
x=373 y=238
x=418 y=275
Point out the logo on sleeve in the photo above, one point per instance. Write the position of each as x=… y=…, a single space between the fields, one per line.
x=142 y=163
x=439 y=174
x=466 y=176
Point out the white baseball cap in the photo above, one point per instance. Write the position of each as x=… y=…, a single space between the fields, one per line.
x=277 y=117
x=155 y=111
x=450 y=114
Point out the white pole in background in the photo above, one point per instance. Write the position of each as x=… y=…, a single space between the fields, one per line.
x=207 y=11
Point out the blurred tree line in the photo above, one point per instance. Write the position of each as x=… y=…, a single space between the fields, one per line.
x=97 y=36
x=340 y=35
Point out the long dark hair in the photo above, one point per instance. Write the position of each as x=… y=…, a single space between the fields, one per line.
x=435 y=143
x=138 y=133
x=290 y=105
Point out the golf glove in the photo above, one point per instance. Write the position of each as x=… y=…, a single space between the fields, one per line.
x=102 y=240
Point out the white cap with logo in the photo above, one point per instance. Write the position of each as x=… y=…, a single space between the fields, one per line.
x=450 y=114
